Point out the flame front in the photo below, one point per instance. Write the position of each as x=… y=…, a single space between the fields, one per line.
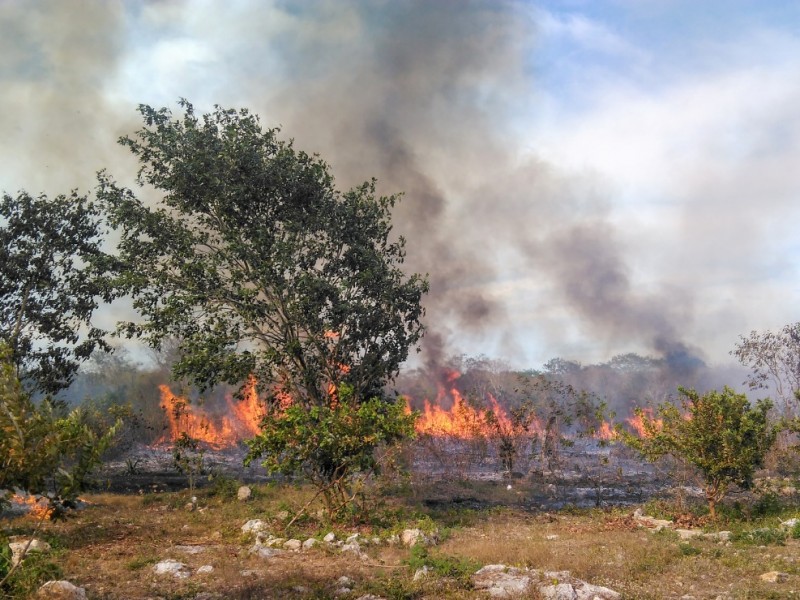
x=242 y=421
x=637 y=422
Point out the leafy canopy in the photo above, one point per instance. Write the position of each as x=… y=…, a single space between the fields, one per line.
x=719 y=433
x=53 y=272
x=257 y=263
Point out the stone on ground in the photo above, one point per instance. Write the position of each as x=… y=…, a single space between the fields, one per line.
x=171 y=567
x=244 y=493
x=61 y=590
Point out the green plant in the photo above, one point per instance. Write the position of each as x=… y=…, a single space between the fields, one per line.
x=43 y=450
x=444 y=566
x=188 y=457
x=23 y=582
x=334 y=446
x=688 y=549
x=720 y=434
x=762 y=536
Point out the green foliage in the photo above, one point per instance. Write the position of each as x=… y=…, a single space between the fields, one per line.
x=719 y=433
x=41 y=450
x=52 y=273
x=258 y=264
x=762 y=536
x=331 y=444
x=688 y=550
x=260 y=267
x=444 y=566
x=24 y=582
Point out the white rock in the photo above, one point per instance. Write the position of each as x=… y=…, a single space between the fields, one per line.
x=421 y=573
x=551 y=537
x=561 y=591
x=352 y=547
x=329 y=538
x=353 y=538
x=19 y=549
x=345 y=581
x=309 y=543
x=587 y=591
x=264 y=551
x=205 y=569
x=341 y=591
x=254 y=526
x=171 y=567
x=500 y=581
x=688 y=534
x=61 y=590
x=790 y=523
x=244 y=493
x=293 y=545
x=249 y=573
x=282 y=515
x=774 y=577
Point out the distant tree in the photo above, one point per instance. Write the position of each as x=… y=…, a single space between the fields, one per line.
x=258 y=265
x=720 y=434
x=53 y=273
x=774 y=361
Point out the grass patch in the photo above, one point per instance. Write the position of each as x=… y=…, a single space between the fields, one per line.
x=457 y=568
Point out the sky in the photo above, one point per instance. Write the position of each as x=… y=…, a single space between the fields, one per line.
x=581 y=178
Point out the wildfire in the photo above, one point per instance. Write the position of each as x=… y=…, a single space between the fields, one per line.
x=462 y=420
x=606 y=432
x=37 y=507
x=637 y=422
x=241 y=421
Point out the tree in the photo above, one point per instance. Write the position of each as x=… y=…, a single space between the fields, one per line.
x=774 y=359
x=52 y=275
x=255 y=261
x=719 y=433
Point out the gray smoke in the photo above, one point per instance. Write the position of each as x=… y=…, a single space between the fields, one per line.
x=420 y=94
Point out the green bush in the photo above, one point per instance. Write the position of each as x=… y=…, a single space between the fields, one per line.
x=444 y=566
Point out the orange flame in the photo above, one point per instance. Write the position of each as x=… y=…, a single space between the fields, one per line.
x=37 y=507
x=606 y=432
x=462 y=420
x=243 y=419
x=637 y=422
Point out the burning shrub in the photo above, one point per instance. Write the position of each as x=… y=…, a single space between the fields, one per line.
x=719 y=433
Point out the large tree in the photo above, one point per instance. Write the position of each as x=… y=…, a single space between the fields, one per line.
x=53 y=273
x=246 y=252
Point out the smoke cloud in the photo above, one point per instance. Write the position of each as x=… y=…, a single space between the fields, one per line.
x=421 y=95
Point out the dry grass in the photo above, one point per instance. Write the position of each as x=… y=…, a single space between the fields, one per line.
x=110 y=547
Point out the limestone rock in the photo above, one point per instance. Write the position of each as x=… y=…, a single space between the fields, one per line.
x=18 y=549
x=61 y=590
x=171 y=567
x=264 y=551
x=421 y=573
x=293 y=545
x=205 y=569
x=561 y=591
x=282 y=515
x=254 y=526
x=309 y=543
x=500 y=581
x=329 y=538
x=411 y=537
x=774 y=577
x=244 y=493
x=688 y=534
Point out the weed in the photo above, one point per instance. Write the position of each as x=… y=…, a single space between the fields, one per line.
x=222 y=487
x=445 y=566
x=796 y=531
x=763 y=536
x=36 y=570
x=688 y=549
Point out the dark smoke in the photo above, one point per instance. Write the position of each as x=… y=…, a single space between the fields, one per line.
x=421 y=94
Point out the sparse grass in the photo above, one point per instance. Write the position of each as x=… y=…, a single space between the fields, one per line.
x=110 y=547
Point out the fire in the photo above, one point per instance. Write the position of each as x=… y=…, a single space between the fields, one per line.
x=37 y=507
x=606 y=432
x=242 y=421
x=637 y=422
x=462 y=420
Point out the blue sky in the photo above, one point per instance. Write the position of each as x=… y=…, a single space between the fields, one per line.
x=582 y=178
